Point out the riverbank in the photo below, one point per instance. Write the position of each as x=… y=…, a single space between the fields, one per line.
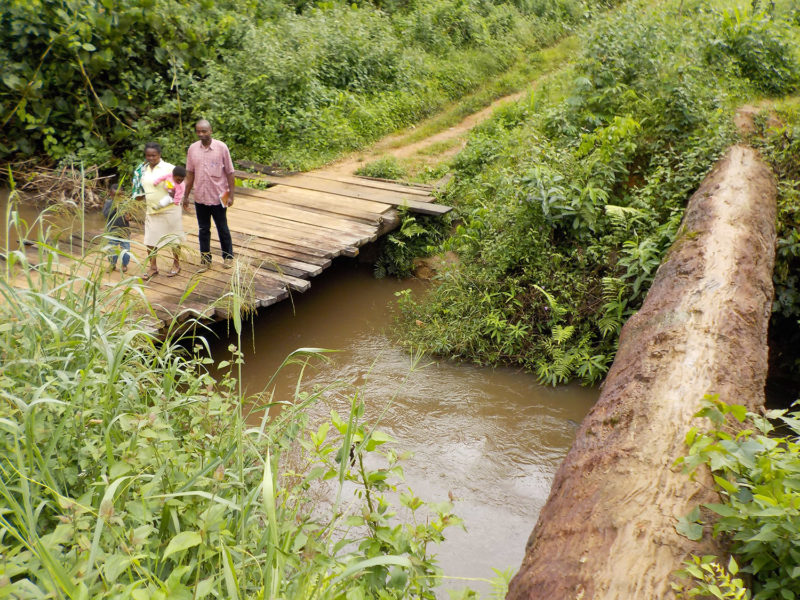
x=568 y=200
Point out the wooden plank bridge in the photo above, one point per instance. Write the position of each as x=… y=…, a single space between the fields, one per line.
x=283 y=236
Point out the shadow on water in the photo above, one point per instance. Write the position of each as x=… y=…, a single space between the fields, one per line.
x=491 y=438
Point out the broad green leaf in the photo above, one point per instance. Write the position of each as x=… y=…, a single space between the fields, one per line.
x=693 y=531
x=733 y=568
x=738 y=411
x=204 y=587
x=183 y=541
x=725 y=484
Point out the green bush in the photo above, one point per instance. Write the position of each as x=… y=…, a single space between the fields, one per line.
x=386 y=167
x=79 y=77
x=289 y=82
x=756 y=471
x=570 y=199
x=761 y=47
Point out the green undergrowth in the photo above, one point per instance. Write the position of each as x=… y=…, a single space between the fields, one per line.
x=755 y=462
x=777 y=137
x=529 y=68
x=569 y=199
x=128 y=470
x=386 y=167
x=289 y=82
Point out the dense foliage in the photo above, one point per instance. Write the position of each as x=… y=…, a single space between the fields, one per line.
x=756 y=471
x=128 y=471
x=570 y=199
x=288 y=82
x=777 y=136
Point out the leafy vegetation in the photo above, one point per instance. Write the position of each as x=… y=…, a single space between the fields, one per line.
x=128 y=471
x=416 y=236
x=290 y=82
x=570 y=198
x=777 y=137
x=386 y=167
x=756 y=470
x=711 y=580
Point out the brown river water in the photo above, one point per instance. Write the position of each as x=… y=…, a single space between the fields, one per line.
x=491 y=439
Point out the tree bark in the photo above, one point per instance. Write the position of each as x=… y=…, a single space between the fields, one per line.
x=607 y=529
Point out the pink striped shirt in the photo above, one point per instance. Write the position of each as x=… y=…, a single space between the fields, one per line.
x=210 y=166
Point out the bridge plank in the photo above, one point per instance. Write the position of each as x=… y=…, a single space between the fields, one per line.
x=361 y=192
x=286 y=235
x=424 y=193
x=302 y=235
x=264 y=206
x=268 y=260
x=364 y=210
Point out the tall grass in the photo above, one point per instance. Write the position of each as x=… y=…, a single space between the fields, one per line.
x=128 y=471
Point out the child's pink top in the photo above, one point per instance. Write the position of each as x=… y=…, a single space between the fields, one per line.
x=175 y=189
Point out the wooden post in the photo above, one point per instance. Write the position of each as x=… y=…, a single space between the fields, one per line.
x=607 y=529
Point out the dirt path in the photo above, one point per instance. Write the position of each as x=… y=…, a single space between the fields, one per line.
x=607 y=530
x=451 y=141
x=444 y=144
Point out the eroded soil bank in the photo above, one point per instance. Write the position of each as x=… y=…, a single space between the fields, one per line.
x=607 y=529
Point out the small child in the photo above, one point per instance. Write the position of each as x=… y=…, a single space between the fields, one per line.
x=175 y=185
x=118 y=228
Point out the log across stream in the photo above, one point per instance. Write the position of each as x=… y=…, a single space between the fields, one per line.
x=607 y=530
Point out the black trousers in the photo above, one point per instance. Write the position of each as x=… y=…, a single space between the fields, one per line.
x=219 y=213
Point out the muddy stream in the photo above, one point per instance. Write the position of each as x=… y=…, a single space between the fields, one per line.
x=490 y=438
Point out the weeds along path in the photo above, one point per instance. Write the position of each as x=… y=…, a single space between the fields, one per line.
x=444 y=135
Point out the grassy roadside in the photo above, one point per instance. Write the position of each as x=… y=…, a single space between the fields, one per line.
x=569 y=198
x=524 y=72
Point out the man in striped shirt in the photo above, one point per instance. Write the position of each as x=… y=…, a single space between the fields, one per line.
x=209 y=172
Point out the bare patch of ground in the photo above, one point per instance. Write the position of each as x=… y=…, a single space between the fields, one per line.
x=427 y=268
x=744 y=119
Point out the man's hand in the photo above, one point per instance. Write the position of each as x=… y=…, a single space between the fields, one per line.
x=231 y=188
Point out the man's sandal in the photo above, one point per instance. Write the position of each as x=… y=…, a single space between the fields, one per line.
x=149 y=275
x=173 y=272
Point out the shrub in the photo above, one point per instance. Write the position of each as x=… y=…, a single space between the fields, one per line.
x=386 y=167
x=756 y=472
x=291 y=82
x=761 y=47
x=570 y=199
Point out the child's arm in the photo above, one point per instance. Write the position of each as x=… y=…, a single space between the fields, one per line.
x=168 y=176
x=179 y=189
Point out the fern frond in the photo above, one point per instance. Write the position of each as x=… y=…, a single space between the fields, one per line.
x=562 y=334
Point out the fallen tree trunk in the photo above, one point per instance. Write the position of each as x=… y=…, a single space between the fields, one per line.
x=607 y=529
